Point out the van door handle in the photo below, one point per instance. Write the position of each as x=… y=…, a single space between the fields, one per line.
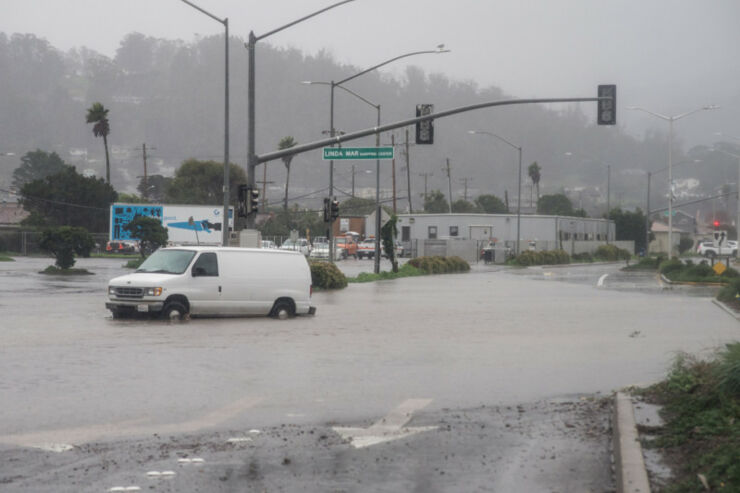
x=219 y=289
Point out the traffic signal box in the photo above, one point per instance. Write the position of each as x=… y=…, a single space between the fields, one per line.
x=607 y=108
x=248 y=201
x=424 y=129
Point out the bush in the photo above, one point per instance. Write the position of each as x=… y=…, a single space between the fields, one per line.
x=583 y=257
x=325 y=275
x=545 y=257
x=64 y=242
x=439 y=265
x=729 y=292
x=670 y=266
x=611 y=253
x=728 y=369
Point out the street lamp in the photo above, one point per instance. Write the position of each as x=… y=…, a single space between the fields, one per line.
x=670 y=120
x=332 y=132
x=608 y=186
x=251 y=45
x=225 y=22
x=333 y=84
x=647 y=207
x=519 y=192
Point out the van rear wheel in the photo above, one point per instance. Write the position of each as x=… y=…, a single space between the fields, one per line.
x=282 y=310
x=174 y=310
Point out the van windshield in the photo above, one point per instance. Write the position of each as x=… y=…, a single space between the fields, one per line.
x=167 y=262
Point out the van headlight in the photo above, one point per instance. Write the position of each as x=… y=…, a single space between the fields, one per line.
x=153 y=291
x=111 y=290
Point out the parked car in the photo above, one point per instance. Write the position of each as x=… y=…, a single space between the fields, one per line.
x=299 y=245
x=366 y=248
x=320 y=250
x=707 y=249
x=268 y=244
x=348 y=244
x=122 y=247
x=215 y=281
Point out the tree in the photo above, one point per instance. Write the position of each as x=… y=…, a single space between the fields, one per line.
x=98 y=115
x=491 y=204
x=534 y=174
x=556 y=205
x=388 y=234
x=462 y=205
x=155 y=187
x=67 y=198
x=283 y=222
x=150 y=233
x=130 y=198
x=202 y=182
x=630 y=226
x=356 y=206
x=286 y=143
x=36 y=165
x=66 y=241
x=435 y=202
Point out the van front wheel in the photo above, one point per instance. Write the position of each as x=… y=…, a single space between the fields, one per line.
x=283 y=309
x=174 y=310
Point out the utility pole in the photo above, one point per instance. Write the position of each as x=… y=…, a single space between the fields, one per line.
x=393 y=168
x=465 y=181
x=426 y=175
x=264 y=195
x=408 y=171
x=449 y=183
x=353 y=180
x=146 y=183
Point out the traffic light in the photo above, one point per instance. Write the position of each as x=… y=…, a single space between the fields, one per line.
x=327 y=209
x=334 y=208
x=716 y=223
x=607 y=108
x=241 y=206
x=254 y=201
x=424 y=129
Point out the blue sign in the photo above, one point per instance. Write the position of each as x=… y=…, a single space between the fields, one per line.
x=122 y=214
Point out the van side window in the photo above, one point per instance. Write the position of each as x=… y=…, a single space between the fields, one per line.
x=206 y=265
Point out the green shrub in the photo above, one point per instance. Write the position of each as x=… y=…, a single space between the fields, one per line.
x=669 y=266
x=728 y=369
x=611 y=253
x=439 y=265
x=545 y=257
x=583 y=257
x=729 y=292
x=325 y=275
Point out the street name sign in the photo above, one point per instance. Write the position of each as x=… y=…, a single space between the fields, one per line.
x=358 y=153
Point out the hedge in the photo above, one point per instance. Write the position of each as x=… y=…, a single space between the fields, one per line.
x=325 y=275
x=545 y=257
x=440 y=265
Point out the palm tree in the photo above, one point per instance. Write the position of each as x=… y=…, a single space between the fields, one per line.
x=285 y=143
x=98 y=115
x=534 y=175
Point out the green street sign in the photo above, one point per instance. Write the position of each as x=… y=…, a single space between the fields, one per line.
x=358 y=153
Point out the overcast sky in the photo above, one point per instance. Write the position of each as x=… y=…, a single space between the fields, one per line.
x=669 y=56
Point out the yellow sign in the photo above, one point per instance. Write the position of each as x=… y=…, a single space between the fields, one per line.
x=719 y=268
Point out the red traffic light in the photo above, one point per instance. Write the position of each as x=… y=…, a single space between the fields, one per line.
x=716 y=224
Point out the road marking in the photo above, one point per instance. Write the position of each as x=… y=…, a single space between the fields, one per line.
x=392 y=427
x=63 y=440
x=601 y=280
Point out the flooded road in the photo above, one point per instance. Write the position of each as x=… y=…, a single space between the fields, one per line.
x=73 y=375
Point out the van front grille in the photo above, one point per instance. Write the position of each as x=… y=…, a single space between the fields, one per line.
x=129 y=292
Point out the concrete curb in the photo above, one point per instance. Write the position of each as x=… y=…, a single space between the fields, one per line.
x=729 y=310
x=630 y=466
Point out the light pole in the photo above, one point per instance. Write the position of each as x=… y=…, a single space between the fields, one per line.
x=331 y=170
x=670 y=120
x=333 y=84
x=519 y=180
x=225 y=22
x=647 y=205
x=251 y=45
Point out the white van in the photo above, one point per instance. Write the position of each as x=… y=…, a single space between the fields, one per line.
x=215 y=281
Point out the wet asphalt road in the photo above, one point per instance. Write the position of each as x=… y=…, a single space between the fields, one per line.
x=136 y=395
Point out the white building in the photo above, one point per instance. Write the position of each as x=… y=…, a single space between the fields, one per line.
x=540 y=232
